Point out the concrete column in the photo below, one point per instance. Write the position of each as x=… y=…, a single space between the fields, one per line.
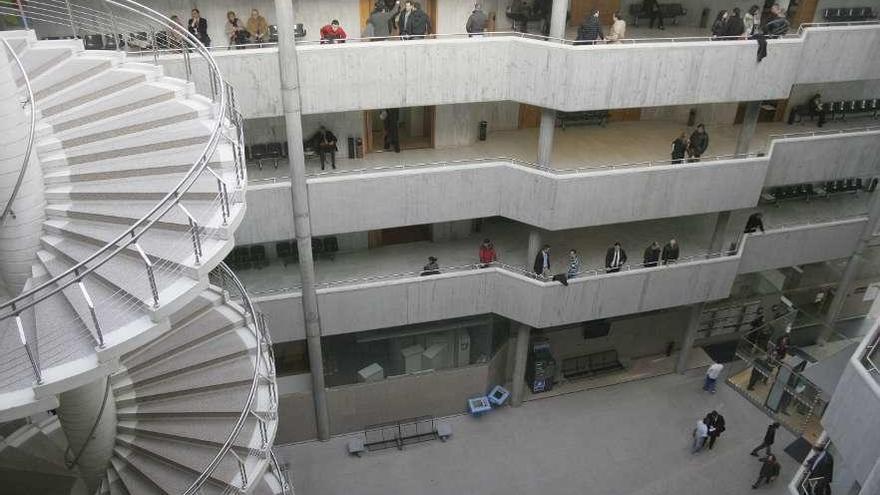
x=545 y=136
x=519 y=364
x=716 y=245
x=690 y=334
x=535 y=243
x=88 y=417
x=290 y=97
x=750 y=120
x=557 y=18
x=851 y=270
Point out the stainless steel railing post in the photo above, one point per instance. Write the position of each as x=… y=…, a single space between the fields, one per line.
x=27 y=349
x=70 y=16
x=116 y=35
x=21 y=13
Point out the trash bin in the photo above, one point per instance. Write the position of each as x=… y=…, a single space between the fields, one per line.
x=351 y=150
x=484 y=130
x=704 y=18
x=359 y=147
x=692 y=117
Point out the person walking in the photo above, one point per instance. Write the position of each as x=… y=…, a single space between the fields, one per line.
x=701 y=433
x=769 y=438
x=652 y=9
x=670 y=252
x=652 y=255
x=390 y=118
x=574 y=264
x=476 y=23
x=698 y=143
x=712 y=377
x=754 y=223
x=542 y=261
x=679 y=148
x=769 y=471
x=618 y=29
x=590 y=31
x=716 y=427
x=615 y=257
x=487 y=253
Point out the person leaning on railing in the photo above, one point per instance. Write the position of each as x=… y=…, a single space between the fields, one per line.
x=618 y=29
x=257 y=27
x=333 y=33
x=198 y=27
x=236 y=34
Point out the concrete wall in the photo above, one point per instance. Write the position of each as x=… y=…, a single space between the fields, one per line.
x=438 y=72
x=368 y=201
x=819 y=158
x=851 y=419
x=798 y=245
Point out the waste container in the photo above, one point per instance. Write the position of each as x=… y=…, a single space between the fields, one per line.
x=359 y=147
x=692 y=117
x=351 y=150
x=704 y=18
x=484 y=130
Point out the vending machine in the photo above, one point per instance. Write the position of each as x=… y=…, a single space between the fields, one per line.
x=540 y=367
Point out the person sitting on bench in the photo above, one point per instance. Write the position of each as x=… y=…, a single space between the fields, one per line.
x=323 y=142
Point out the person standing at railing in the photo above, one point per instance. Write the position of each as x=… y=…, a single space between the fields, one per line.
x=198 y=27
x=777 y=25
x=670 y=252
x=719 y=27
x=333 y=33
x=487 y=253
x=698 y=143
x=735 y=24
x=615 y=258
x=432 y=268
x=257 y=27
x=652 y=9
x=618 y=29
x=236 y=34
x=390 y=117
x=652 y=255
x=752 y=20
x=574 y=264
x=381 y=21
x=590 y=31
x=477 y=21
x=542 y=261
x=414 y=23
x=754 y=223
x=679 y=148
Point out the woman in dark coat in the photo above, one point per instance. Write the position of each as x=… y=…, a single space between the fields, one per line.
x=735 y=25
x=719 y=27
x=679 y=147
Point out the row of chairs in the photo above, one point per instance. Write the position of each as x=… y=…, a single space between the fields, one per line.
x=839 y=110
x=245 y=257
x=809 y=191
x=848 y=14
x=322 y=247
x=266 y=151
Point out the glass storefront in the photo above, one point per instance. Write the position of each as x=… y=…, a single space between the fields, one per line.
x=375 y=355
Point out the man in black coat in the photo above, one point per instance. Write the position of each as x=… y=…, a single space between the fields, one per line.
x=413 y=21
x=652 y=9
x=769 y=470
x=324 y=142
x=670 y=252
x=542 y=261
x=679 y=148
x=699 y=142
x=716 y=427
x=769 y=438
x=590 y=31
x=754 y=223
x=392 y=129
x=615 y=258
x=652 y=255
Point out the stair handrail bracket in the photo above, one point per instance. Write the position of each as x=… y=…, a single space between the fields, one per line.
x=32 y=125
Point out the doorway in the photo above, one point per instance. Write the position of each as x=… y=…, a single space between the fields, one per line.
x=580 y=9
x=399 y=235
x=415 y=124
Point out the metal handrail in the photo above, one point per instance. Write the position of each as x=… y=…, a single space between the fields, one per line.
x=870 y=358
x=824 y=132
x=230 y=283
x=31 y=132
x=20 y=303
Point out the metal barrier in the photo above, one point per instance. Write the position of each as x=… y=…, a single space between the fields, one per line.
x=7 y=210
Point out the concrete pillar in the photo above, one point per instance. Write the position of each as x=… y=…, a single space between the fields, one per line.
x=518 y=391
x=690 y=334
x=88 y=417
x=716 y=245
x=535 y=244
x=750 y=120
x=557 y=19
x=545 y=136
x=851 y=270
x=287 y=60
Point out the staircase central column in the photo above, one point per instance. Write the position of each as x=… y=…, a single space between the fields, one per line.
x=88 y=417
x=290 y=96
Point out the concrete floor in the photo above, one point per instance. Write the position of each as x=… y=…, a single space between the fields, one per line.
x=511 y=240
x=575 y=147
x=628 y=439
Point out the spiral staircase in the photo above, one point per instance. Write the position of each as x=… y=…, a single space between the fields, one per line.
x=155 y=368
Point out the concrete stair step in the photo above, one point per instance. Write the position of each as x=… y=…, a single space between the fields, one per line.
x=208 y=214
x=116 y=91
x=184 y=455
x=200 y=328
x=124 y=272
x=31 y=440
x=216 y=403
x=115 y=313
x=233 y=369
x=154 y=187
x=268 y=485
x=170 y=137
x=51 y=428
x=156 y=163
x=68 y=73
x=205 y=431
x=18 y=460
x=114 y=484
x=39 y=58
x=172 y=246
x=153 y=474
x=151 y=116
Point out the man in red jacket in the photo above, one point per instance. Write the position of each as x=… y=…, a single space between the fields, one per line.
x=332 y=33
x=487 y=252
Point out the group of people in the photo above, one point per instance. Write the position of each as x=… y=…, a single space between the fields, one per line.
x=393 y=18
x=238 y=33
x=707 y=431
x=693 y=147
x=732 y=24
x=615 y=259
x=590 y=31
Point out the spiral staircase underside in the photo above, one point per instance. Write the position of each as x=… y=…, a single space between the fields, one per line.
x=113 y=138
